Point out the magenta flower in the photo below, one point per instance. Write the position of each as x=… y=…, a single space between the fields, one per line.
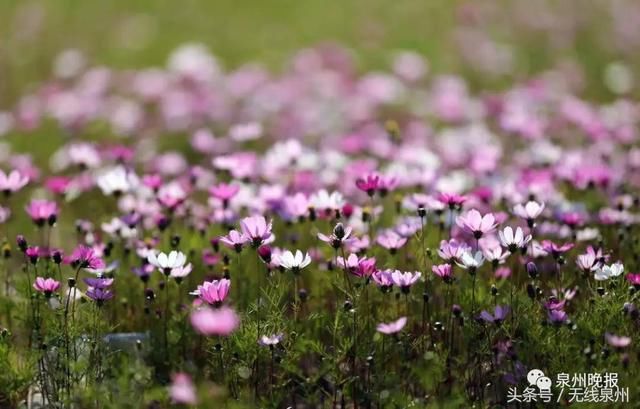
x=382 y=278
x=222 y=321
x=634 y=279
x=361 y=267
x=476 y=224
x=12 y=182
x=555 y=249
x=213 y=292
x=42 y=211
x=392 y=327
x=33 y=253
x=369 y=183
x=391 y=240
x=47 y=286
x=444 y=271
x=557 y=317
x=257 y=230
x=182 y=391
x=453 y=200
x=85 y=257
x=224 y=192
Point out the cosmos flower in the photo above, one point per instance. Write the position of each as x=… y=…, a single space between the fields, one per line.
x=179 y=273
x=85 y=257
x=500 y=312
x=221 y=322
x=213 y=292
x=292 y=262
x=234 y=239
x=513 y=240
x=224 y=192
x=555 y=249
x=470 y=261
x=116 y=181
x=181 y=390
x=391 y=241
x=452 y=250
x=99 y=295
x=257 y=230
x=46 y=286
x=606 y=272
x=392 y=327
x=476 y=224
x=617 y=341
x=529 y=211
x=101 y=283
x=339 y=235
x=12 y=182
x=406 y=279
x=270 y=340
x=452 y=200
x=444 y=271
x=634 y=279
x=369 y=183
x=42 y=211
x=167 y=262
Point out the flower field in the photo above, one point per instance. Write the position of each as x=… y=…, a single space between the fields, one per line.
x=423 y=233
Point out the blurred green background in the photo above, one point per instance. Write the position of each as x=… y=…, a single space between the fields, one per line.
x=450 y=33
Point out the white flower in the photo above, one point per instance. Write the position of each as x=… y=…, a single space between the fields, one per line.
x=291 y=262
x=471 y=261
x=322 y=200
x=116 y=181
x=166 y=263
x=513 y=240
x=529 y=211
x=606 y=272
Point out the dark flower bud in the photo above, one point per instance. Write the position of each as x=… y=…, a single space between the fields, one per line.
x=438 y=326
x=457 y=310
x=175 y=241
x=600 y=291
x=494 y=290
x=52 y=219
x=338 y=231
x=264 y=252
x=149 y=294
x=348 y=306
x=215 y=244
x=425 y=297
x=531 y=291
x=71 y=282
x=422 y=212
x=532 y=270
x=303 y=295
x=22 y=243
x=57 y=257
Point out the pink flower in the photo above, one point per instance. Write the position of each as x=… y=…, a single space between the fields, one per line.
x=182 y=390
x=444 y=271
x=555 y=249
x=47 y=286
x=58 y=184
x=12 y=182
x=361 y=267
x=617 y=341
x=529 y=211
x=405 y=279
x=222 y=321
x=452 y=250
x=224 y=192
x=42 y=211
x=391 y=240
x=382 y=278
x=473 y=222
x=234 y=239
x=213 y=292
x=392 y=327
x=257 y=230
x=452 y=200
